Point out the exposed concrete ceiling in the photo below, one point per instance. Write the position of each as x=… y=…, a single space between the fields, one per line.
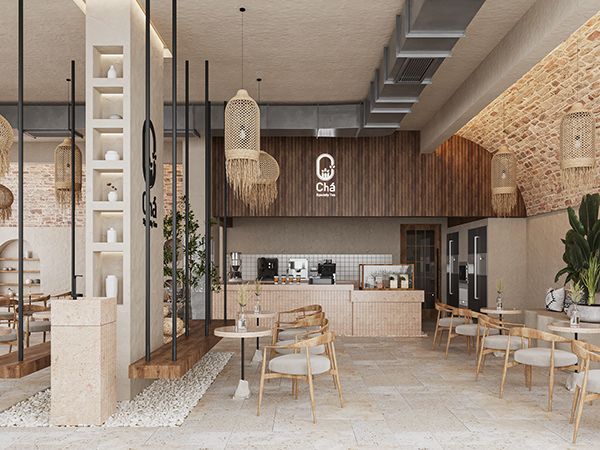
x=305 y=52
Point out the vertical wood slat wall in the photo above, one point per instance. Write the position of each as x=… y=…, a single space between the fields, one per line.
x=376 y=177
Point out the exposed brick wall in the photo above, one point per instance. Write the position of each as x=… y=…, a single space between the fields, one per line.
x=40 y=206
x=534 y=107
x=168 y=177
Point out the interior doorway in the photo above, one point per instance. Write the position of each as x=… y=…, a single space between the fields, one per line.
x=420 y=244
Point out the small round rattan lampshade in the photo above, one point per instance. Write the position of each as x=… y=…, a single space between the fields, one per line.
x=242 y=140
x=577 y=147
x=62 y=173
x=6 y=201
x=6 y=142
x=264 y=192
x=504 y=181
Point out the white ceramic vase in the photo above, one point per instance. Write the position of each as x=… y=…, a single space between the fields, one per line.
x=112 y=72
x=113 y=196
x=111 y=235
x=112 y=286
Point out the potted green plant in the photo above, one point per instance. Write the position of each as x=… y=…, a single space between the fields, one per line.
x=196 y=250
x=582 y=253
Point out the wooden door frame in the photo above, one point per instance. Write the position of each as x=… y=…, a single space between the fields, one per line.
x=437 y=229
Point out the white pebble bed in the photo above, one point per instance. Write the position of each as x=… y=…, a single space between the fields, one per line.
x=165 y=403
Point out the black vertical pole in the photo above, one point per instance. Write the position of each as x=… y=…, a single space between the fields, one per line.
x=207 y=203
x=225 y=193
x=72 y=127
x=174 y=184
x=20 y=162
x=147 y=161
x=186 y=177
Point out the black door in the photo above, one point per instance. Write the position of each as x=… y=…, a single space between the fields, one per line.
x=452 y=269
x=421 y=248
x=478 y=268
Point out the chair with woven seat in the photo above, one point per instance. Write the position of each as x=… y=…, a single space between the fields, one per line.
x=444 y=321
x=530 y=356
x=587 y=381
x=302 y=366
x=493 y=341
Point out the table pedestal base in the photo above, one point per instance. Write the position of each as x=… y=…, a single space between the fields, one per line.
x=243 y=390
x=258 y=356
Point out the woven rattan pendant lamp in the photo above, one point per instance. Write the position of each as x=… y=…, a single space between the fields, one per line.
x=242 y=137
x=6 y=142
x=62 y=173
x=577 y=143
x=504 y=178
x=6 y=201
x=263 y=193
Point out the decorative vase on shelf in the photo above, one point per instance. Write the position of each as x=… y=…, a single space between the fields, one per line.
x=112 y=72
x=113 y=196
x=112 y=286
x=257 y=304
x=112 y=155
x=499 y=301
x=111 y=235
x=241 y=323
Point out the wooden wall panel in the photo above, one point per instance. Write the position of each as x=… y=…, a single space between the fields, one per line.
x=376 y=177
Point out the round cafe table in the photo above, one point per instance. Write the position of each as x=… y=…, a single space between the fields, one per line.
x=243 y=389
x=501 y=312
x=564 y=326
x=261 y=315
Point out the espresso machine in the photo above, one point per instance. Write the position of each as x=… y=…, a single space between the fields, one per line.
x=298 y=267
x=235 y=267
x=325 y=273
x=267 y=268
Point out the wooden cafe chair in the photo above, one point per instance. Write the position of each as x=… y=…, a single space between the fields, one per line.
x=587 y=381
x=444 y=321
x=302 y=366
x=529 y=355
x=493 y=341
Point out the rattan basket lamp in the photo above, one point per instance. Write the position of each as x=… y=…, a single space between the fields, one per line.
x=6 y=141
x=577 y=142
x=242 y=137
x=504 y=181
x=264 y=192
x=6 y=201
x=62 y=173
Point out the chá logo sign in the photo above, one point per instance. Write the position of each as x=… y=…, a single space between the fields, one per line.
x=325 y=167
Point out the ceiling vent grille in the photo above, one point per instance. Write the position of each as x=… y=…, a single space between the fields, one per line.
x=414 y=70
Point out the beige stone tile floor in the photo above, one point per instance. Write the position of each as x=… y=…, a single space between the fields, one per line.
x=399 y=394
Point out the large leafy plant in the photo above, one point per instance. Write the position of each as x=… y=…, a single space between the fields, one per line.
x=197 y=252
x=582 y=241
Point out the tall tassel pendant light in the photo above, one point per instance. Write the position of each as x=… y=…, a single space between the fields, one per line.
x=504 y=178
x=577 y=143
x=62 y=173
x=6 y=142
x=264 y=192
x=242 y=137
x=6 y=201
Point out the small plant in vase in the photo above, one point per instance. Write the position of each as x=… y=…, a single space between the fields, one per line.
x=242 y=323
x=575 y=292
x=257 y=291
x=113 y=194
x=499 y=291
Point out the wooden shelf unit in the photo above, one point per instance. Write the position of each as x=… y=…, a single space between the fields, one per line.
x=8 y=278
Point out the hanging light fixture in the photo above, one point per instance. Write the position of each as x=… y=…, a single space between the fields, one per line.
x=504 y=178
x=6 y=201
x=263 y=193
x=577 y=143
x=242 y=137
x=6 y=141
x=62 y=173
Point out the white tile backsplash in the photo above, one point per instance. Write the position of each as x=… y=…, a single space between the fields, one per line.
x=346 y=264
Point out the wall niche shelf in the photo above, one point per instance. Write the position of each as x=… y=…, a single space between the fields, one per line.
x=8 y=259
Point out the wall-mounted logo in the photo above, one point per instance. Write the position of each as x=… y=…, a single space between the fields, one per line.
x=325 y=167
x=153 y=166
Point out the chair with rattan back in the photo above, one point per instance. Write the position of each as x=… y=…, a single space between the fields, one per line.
x=462 y=323
x=492 y=339
x=587 y=381
x=302 y=365
x=443 y=321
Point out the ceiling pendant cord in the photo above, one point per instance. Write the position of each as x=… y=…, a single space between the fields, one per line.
x=242 y=10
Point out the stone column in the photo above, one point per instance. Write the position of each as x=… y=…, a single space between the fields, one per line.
x=84 y=361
